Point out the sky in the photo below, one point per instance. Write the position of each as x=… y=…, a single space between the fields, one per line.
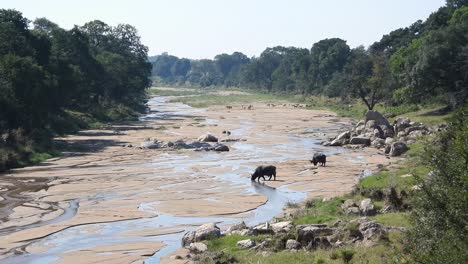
x=204 y=28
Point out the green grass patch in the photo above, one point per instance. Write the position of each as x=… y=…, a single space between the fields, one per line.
x=393 y=219
x=40 y=157
x=319 y=212
x=174 y=92
x=216 y=99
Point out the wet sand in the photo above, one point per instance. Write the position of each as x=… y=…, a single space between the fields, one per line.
x=119 y=204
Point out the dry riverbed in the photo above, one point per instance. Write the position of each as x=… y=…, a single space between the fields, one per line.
x=104 y=201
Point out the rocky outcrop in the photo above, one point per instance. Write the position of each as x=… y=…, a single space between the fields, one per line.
x=151 y=144
x=376 y=131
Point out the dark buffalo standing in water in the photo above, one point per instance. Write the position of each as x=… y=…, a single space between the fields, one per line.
x=262 y=171
x=319 y=158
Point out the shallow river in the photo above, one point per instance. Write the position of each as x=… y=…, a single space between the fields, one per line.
x=236 y=162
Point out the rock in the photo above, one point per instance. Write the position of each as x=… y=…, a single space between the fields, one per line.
x=389 y=141
x=398 y=148
x=378 y=143
x=245 y=244
x=307 y=233
x=360 y=123
x=370 y=125
x=337 y=142
x=220 y=147
x=378 y=133
x=367 y=208
x=318 y=242
x=292 y=244
x=348 y=203
x=352 y=210
x=360 y=129
x=344 y=135
x=197 y=144
x=262 y=229
x=197 y=247
x=237 y=227
x=387 y=131
x=416 y=134
x=377 y=117
x=207 y=230
x=208 y=138
x=415 y=128
x=372 y=230
x=360 y=140
x=281 y=227
x=246 y=232
x=401 y=124
x=169 y=144
x=150 y=145
x=267 y=243
x=188 y=238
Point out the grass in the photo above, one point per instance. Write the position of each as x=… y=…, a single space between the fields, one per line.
x=393 y=219
x=320 y=212
x=182 y=92
x=215 y=99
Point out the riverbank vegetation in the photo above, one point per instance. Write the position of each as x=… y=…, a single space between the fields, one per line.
x=424 y=63
x=55 y=81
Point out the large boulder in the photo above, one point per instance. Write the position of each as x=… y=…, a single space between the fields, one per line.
x=307 y=233
x=208 y=138
x=398 y=148
x=360 y=140
x=245 y=244
x=237 y=227
x=367 y=207
x=282 y=227
x=341 y=139
x=207 y=230
x=377 y=117
x=378 y=143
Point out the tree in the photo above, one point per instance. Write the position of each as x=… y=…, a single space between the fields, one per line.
x=358 y=72
x=440 y=213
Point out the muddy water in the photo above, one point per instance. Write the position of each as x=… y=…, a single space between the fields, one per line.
x=237 y=162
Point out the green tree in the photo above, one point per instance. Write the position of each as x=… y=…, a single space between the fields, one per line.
x=440 y=213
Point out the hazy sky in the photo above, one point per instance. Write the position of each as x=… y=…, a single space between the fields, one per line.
x=204 y=28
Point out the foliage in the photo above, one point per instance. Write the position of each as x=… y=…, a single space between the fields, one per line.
x=47 y=71
x=440 y=210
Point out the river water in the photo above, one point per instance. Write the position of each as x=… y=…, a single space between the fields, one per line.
x=236 y=162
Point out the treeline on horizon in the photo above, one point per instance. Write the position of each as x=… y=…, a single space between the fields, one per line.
x=54 y=81
x=425 y=62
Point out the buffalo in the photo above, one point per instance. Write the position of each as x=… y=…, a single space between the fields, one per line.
x=262 y=171
x=319 y=158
